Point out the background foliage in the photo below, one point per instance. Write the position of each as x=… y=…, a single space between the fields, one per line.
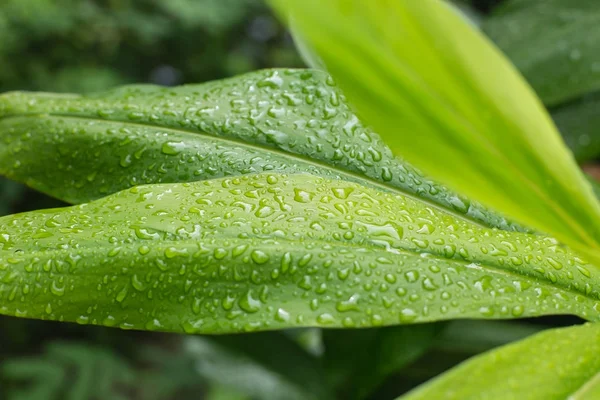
x=90 y=45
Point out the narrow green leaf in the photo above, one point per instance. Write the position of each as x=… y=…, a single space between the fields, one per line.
x=445 y=98
x=553 y=365
x=268 y=251
x=554 y=43
x=279 y=120
x=376 y=354
x=309 y=57
x=266 y=366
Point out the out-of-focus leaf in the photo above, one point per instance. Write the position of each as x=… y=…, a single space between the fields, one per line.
x=212 y=15
x=554 y=43
x=270 y=251
x=224 y=393
x=593 y=180
x=358 y=361
x=579 y=123
x=308 y=55
x=274 y=120
x=474 y=336
x=9 y=192
x=420 y=74
x=553 y=365
x=266 y=366
x=68 y=371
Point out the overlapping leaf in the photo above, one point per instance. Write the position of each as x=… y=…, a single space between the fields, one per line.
x=270 y=251
x=278 y=120
x=442 y=96
x=553 y=365
x=376 y=354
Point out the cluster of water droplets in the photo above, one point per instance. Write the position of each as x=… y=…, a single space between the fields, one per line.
x=271 y=251
x=276 y=120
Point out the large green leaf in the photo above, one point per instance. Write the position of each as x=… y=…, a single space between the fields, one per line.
x=280 y=120
x=554 y=43
x=445 y=98
x=268 y=251
x=553 y=365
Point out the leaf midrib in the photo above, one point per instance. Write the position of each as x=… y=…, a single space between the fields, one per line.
x=352 y=176
x=368 y=246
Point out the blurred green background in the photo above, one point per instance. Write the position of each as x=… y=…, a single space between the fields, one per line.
x=92 y=45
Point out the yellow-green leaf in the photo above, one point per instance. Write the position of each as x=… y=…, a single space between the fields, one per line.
x=557 y=364
x=442 y=96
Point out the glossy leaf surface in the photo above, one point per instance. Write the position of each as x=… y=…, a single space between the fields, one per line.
x=270 y=251
x=556 y=364
x=273 y=120
x=419 y=73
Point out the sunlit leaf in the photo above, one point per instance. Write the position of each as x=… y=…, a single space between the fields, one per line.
x=553 y=365
x=556 y=45
x=579 y=123
x=444 y=97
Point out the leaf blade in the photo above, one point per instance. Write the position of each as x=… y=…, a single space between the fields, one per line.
x=268 y=252
x=285 y=120
x=420 y=66
x=549 y=365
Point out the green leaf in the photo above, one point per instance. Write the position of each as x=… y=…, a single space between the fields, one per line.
x=280 y=120
x=375 y=354
x=306 y=52
x=579 y=123
x=268 y=251
x=445 y=98
x=552 y=365
x=266 y=366
x=554 y=43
